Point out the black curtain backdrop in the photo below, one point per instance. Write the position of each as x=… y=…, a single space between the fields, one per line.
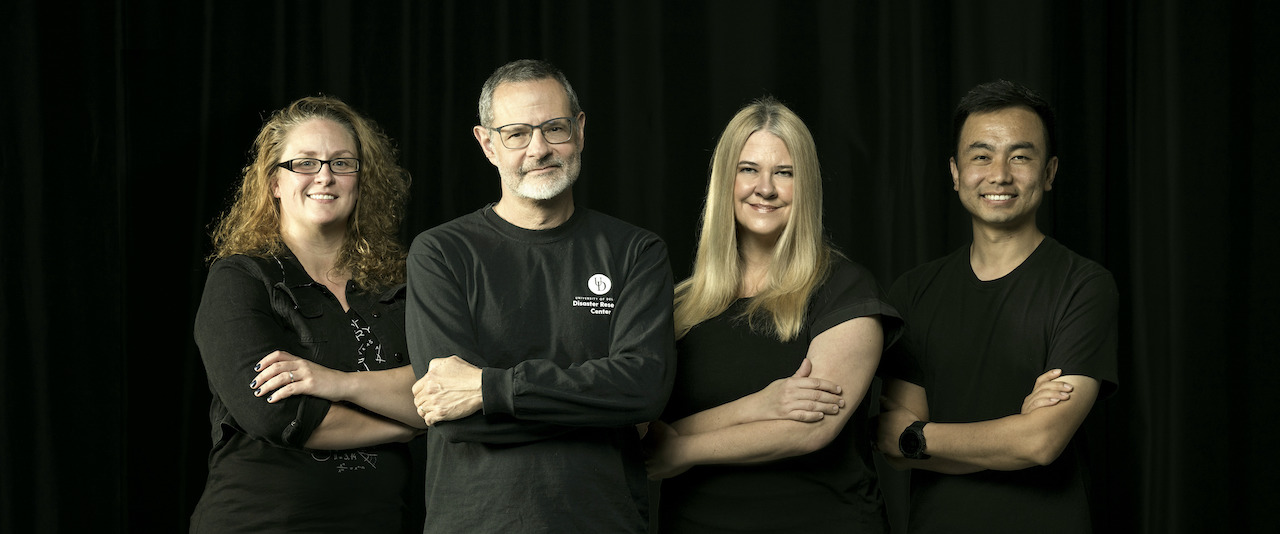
x=126 y=122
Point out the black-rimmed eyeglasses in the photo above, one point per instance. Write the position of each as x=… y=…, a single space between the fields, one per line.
x=313 y=165
x=518 y=135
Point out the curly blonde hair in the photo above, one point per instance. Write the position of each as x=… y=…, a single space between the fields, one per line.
x=371 y=251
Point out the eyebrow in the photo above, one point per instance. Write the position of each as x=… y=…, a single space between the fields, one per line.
x=310 y=153
x=981 y=145
x=754 y=164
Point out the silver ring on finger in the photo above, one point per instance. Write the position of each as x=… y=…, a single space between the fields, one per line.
x=290 y=377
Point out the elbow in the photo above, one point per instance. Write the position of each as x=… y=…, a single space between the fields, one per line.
x=284 y=437
x=623 y=415
x=1043 y=450
x=651 y=411
x=1047 y=456
x=641 y=405
x=813 y=442
x=289 y=433
x=814 y=439
x=649 y=406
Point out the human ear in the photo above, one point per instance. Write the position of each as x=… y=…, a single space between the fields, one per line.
x=582 y=129
x=955 y=175
x=486 y=143
x=1050 y=171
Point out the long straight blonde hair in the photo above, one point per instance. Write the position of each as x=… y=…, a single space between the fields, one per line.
x=801 y=258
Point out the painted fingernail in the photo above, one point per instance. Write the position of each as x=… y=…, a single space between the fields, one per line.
x=253 y=384
x=268 y=399
x=257 y=367
x=258 y=392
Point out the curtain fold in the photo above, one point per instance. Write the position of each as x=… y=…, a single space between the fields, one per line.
x=127 y=124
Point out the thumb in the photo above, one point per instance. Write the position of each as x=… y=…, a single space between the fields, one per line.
x=1048 y=376
x=806 y=367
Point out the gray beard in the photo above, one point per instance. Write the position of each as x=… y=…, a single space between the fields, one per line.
x=545 y=189
x=549 y=187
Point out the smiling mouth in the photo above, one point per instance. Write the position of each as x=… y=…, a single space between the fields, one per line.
x=547 y=168
x=763 y=208
x=998 y=197
x=321 y=196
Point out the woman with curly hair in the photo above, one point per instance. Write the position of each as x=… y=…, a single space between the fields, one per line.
x=778 y=337
x=301 y=330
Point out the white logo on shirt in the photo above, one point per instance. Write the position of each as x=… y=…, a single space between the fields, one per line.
x=599 y=284
x=599 y=304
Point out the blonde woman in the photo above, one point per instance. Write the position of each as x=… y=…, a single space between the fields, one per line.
x=778 y=339
x=301 y=330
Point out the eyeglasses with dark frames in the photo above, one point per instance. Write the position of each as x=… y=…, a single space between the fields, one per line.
x=313 y=165
x=518 y=135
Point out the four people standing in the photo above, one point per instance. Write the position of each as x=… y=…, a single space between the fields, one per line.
x=542 y=335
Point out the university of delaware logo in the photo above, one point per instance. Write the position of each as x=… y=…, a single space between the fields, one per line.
x=599 y=303
x=599 y=284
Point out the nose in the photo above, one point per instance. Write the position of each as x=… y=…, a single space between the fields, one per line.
x=1000 y=173
x=764 y=186
x=325 y=174
x=538 y=145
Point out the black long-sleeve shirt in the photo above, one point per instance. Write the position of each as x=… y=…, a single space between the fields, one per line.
x=261 y=479
x=572 y=328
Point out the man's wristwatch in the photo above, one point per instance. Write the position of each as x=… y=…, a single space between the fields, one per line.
x=911 y=442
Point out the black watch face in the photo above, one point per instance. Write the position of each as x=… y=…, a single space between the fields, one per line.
x=910 y=444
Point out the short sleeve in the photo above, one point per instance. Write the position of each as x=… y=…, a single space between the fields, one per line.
x=851 y=292
x=1085 y=336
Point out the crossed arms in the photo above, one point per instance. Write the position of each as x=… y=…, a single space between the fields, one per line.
x=249 y=355
x=1050 y=416
x=790 y=417
x=618 y=383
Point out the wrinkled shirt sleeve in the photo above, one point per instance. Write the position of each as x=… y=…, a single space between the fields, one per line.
x=236 y=326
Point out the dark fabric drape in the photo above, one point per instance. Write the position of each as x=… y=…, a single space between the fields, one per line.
x=126 y=123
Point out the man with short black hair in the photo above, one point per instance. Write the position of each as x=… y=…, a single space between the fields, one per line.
x=1014 y=311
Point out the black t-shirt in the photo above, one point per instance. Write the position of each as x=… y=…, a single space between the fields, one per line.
x=976 y=347
x=834 y=489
